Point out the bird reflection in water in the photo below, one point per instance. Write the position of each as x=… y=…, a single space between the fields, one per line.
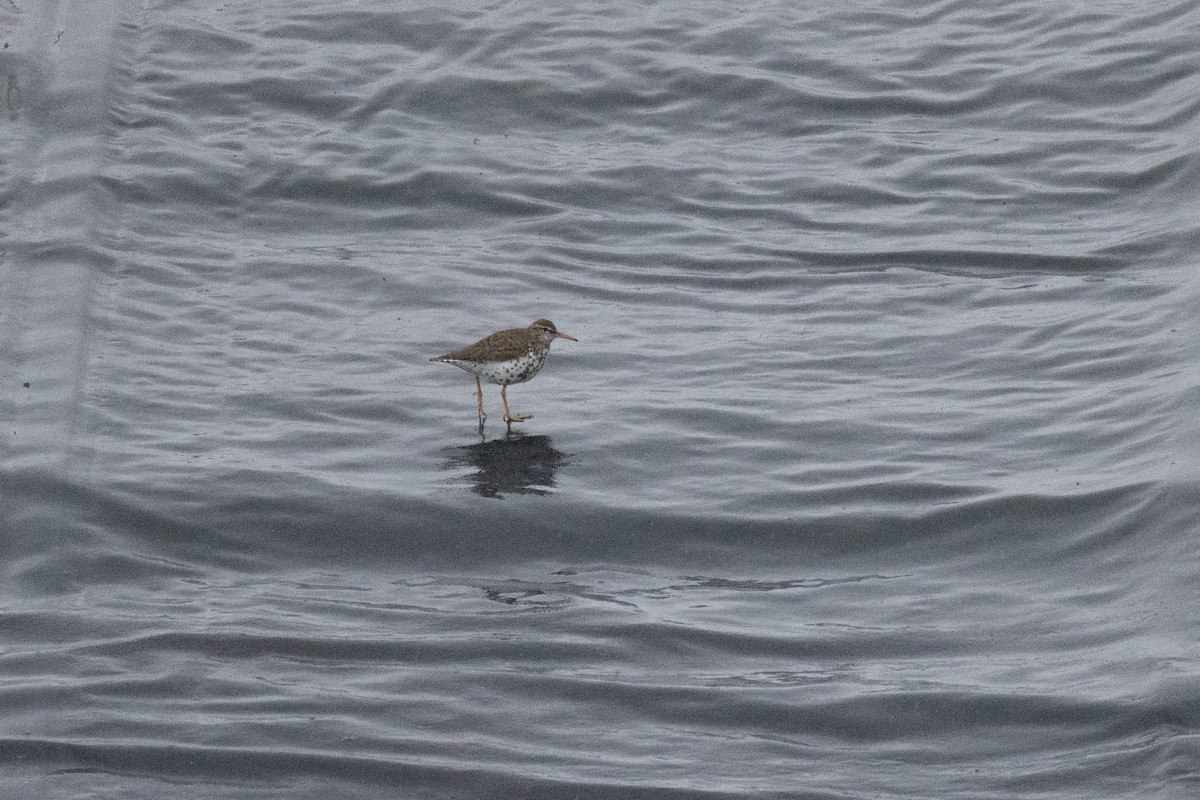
x=515 y=464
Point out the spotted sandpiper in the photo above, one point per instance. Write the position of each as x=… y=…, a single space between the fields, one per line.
x=510 y=356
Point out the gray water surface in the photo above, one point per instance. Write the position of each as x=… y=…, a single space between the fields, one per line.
x=873 y=473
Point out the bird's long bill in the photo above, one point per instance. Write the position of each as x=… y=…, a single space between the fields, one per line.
x=564 y=336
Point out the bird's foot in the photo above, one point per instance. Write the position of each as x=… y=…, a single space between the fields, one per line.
x=515 y=417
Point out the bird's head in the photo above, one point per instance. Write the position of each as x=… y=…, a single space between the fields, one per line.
x=546 y=326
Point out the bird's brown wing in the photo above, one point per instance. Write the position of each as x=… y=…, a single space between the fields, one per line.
x=500 y=346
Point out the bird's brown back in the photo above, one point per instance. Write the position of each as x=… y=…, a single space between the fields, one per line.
x=500 y=346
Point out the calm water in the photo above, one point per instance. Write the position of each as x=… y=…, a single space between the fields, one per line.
x=873 y=473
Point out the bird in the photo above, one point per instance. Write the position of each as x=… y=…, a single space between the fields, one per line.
x=509 y=356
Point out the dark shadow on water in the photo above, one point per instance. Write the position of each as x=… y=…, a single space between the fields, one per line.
x=514 y=464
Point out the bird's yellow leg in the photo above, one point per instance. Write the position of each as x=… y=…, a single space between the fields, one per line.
x=509 y=416
x=479 y=399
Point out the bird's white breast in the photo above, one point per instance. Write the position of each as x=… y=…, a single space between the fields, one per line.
x=514 y=370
